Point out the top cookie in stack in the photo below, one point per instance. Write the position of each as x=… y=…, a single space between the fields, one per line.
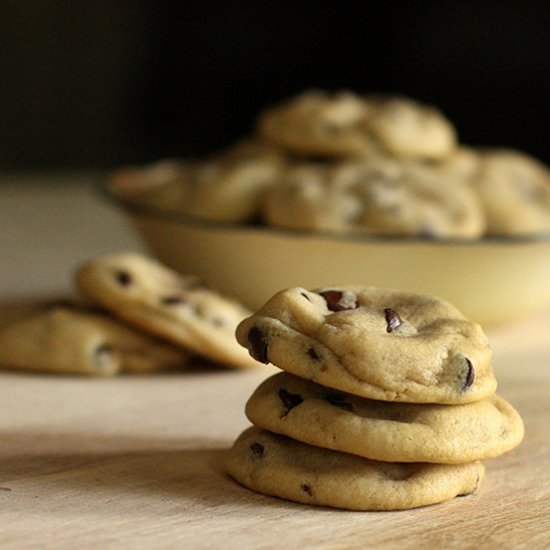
x=376 y=343
x=388 y=400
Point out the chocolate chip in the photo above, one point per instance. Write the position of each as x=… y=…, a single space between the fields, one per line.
x=313 y=354
x=470 y=375
x=195 y=285
x=290 y=400
x=257 y=340
x=123 y=278
x=257 y=449
x=306 y=488
x=338 y=400
x=103 y=355
x=392 y=319
x=340 y=301
x=173 y=300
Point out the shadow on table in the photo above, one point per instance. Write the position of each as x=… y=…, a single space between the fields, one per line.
x=123 y=467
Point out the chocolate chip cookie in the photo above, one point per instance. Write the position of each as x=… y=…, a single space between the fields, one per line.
x=376 y=197
x=343 y=124
x=515 y=190
x=70 y=340
x=279 y=466
x=227 y=187
x=382 y=344
x=391 y=432
x=150 y=296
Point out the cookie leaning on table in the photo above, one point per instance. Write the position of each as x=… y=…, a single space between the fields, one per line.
x=279 y=466
x=391 y=432
x=70 y=340
x=160 y=301
x=377 y=343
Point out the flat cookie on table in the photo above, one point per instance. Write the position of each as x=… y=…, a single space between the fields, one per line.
x=391 y=432
x=160 y=301
x=73 y=341
x=377 y=343
x=279 y=466
x=515 y=190
x=343 y=124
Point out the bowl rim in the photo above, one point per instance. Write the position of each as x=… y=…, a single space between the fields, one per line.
x=104 y=188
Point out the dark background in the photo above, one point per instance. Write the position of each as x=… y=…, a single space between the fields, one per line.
x=93 y=84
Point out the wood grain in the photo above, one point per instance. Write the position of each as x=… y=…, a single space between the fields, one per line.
x=138 y=461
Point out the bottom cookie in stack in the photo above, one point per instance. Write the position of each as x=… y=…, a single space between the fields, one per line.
x=318 y=444
x=276 y=465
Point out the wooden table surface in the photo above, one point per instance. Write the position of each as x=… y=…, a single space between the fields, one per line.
x=136 y=462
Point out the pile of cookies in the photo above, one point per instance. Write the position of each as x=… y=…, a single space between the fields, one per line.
x=340 y=162
x=139 y=316
x=387 y=401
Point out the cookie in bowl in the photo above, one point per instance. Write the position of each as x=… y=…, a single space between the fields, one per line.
x=375 y=197
x=345 y=125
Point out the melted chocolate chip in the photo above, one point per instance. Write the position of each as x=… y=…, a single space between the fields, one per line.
x=307 y=489
x=339 y=301
x=338 y=400
x=257 y=449
x=470 y=375
x=290 y=400
x=258 y=343
x=123 y=278
x=173 y=300
x=331 y=128
x=392 y=319
x=313 y=354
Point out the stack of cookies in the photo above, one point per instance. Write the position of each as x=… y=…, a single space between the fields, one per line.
x=388 y=401
x=140 y=316
x=341 y=162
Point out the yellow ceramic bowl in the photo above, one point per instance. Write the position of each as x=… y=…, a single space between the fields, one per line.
x=492 y=280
